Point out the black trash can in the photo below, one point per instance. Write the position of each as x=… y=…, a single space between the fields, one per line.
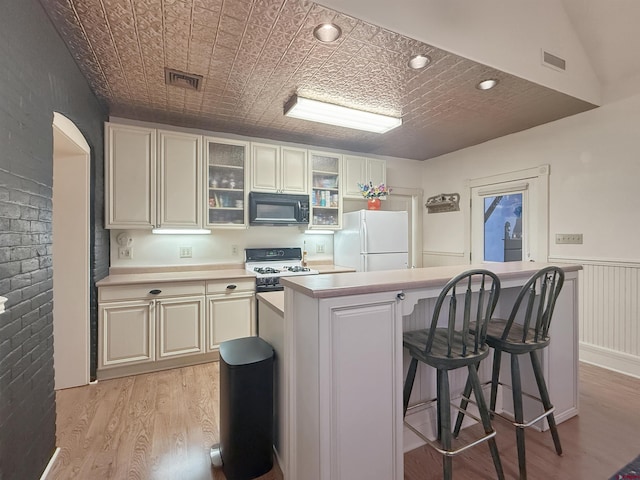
x=245 y=450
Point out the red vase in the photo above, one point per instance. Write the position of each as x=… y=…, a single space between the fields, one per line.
x=373 y=204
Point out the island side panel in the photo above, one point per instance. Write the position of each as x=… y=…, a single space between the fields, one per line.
x=301 y=322
x=360 y=386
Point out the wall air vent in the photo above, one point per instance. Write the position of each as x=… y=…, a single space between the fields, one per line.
x=553 y=61
x=182 y=80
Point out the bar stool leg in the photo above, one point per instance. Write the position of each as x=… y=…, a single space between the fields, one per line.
x=408 y=385
x=546 y=401
x=444 y=416
x=495 y=378
x=463 y=406
x=519 y=415
x=486 y=419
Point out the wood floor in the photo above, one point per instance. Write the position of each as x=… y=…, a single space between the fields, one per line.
x=161 y=425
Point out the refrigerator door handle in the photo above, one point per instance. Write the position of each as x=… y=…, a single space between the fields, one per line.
x=363 y=237
x=365 y=266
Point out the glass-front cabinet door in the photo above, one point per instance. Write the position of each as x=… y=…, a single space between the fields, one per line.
x=227 y=162
x=326 y=198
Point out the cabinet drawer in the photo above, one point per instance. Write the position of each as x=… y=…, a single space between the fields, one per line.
x=222 y=286
x=142 y=291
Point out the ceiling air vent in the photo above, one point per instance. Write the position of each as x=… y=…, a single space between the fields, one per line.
x=553 y=61
x=182 y=80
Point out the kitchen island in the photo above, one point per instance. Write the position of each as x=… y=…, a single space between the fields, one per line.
x=343 y=364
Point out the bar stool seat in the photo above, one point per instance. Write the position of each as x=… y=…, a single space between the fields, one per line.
x=533 y=308
x=452 y=347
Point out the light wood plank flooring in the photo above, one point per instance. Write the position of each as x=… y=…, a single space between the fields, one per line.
x=161 y=425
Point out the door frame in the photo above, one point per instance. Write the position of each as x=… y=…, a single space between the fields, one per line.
x=71 y=254
x=539 y=207
x=415 y=239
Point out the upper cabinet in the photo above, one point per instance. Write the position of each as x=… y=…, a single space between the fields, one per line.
x=278 y=169
x=227 y=174
x=361 y=170
x=179 y=180
x=153 y=178
x=130 y=177
x=326 y=198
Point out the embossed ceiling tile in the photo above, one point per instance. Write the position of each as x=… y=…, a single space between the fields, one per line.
x=238 y=8
x=203 y=33
x=228 y=40
x=232 y=25
x=178 y=9
x=206 y=16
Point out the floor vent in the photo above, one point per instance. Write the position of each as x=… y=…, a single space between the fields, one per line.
x=553 y=61
x=182 y=80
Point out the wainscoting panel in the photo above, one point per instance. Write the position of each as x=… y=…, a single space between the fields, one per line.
x=438 y=259
x=609 y=313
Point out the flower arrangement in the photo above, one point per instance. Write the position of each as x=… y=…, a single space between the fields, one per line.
x=368 y=190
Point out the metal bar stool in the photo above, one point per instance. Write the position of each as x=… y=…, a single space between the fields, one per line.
x=538 y=298
x=455 y=346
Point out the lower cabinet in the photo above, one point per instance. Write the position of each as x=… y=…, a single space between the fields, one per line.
x=231 y=311
x=127 y=331
x=142 y=328
x=180 y=326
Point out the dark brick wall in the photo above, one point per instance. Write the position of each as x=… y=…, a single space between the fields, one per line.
x=37 y=77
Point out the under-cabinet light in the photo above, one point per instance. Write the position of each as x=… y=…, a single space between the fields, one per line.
x=181 y=231
x=307 y=109
x=319 y=232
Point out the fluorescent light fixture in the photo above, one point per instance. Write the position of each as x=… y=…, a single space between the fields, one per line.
x=307 y=109
x=181 y=231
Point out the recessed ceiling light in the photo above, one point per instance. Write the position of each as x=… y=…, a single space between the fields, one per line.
x=487 y=84
x=327 y=32
x=419 y=61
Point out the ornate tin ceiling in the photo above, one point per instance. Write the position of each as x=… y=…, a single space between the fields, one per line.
x=254 y=55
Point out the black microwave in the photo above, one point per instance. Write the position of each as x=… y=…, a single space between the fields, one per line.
x=278 y=209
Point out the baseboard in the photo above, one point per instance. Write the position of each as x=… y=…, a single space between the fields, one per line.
x=610 y=359
x=52 y=460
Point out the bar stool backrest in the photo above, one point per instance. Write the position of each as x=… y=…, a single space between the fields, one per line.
x=538 y=297
x=480 y=290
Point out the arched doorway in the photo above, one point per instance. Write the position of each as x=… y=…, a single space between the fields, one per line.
x=71 y=239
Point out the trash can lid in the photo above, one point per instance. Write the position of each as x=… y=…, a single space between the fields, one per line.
x=245 y=351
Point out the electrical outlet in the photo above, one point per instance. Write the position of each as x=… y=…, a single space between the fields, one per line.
x=186 y=252
x=234 y=250
x=574 y=238
x=125 y=253
x=319 y=247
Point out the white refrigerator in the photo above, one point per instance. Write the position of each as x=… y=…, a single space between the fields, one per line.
x=372 y=240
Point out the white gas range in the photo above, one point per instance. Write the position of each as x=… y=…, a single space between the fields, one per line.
x=269 y=264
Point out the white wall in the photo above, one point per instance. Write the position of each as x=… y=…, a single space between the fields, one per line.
x=504 y=34
x=593 y=181
x=594 y=160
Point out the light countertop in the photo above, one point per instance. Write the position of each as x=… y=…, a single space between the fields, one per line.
x=326 y=286
x=330 y=268
x=174 y=276
x=274 y=299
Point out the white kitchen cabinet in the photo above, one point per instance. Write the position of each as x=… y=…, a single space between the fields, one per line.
x=278 y=169
x=227 y=174
x=130 y=176
x=326 y=198
x=361 y=170
x=143 y=327
x=179 y=180
x=153 y=178
x=126 y=334
x=231 y=311
x=180 y=326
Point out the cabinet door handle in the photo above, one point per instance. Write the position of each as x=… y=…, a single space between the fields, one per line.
x=231 y=287
x=400 y=296
x=155 y=291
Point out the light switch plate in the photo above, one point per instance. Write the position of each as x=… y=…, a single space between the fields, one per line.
x=574 y=238
x=186 y=252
